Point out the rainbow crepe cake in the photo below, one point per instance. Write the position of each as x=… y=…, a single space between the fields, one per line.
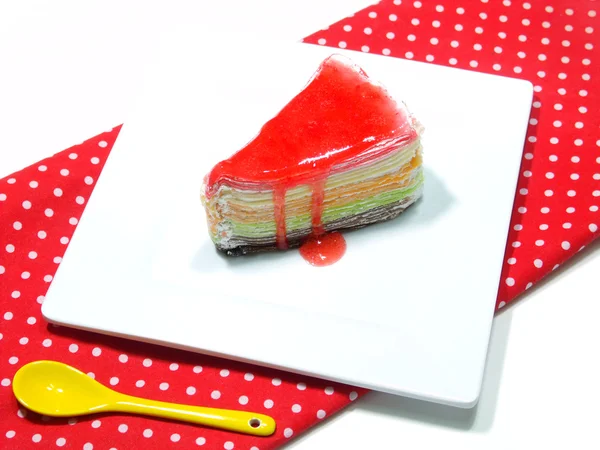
x=342 y=154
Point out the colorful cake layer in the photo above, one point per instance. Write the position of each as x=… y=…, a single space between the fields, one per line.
x=341 y=154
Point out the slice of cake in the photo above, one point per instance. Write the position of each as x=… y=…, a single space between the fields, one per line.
x=342 y=154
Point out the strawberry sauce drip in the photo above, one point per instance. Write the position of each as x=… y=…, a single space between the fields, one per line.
x=280 y=227
x=324 y=250
x=318 y=195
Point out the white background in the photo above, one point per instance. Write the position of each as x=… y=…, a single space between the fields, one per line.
x=68 y=71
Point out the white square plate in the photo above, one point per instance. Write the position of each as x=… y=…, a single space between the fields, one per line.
x=408 y=310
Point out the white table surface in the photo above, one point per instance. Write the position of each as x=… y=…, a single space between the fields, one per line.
x=67 y=72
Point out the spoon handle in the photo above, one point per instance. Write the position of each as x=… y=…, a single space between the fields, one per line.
x=225 y=419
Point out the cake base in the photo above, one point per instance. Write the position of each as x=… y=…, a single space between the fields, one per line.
x=295 y=239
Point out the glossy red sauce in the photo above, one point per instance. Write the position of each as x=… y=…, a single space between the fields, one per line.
x=339 y=120
x=324 y=250
x=337 y=117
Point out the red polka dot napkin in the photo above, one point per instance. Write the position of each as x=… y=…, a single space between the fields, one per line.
x=553 y=44
x=40 y=207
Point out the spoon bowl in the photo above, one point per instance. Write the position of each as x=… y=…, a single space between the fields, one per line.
x=59 y=390
x=55 y=389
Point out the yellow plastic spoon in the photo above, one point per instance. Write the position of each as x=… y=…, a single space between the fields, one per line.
x=56 y=389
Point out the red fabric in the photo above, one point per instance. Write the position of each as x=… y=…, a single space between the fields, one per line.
x=39 y=209
x=554 y=44
x=562 y=155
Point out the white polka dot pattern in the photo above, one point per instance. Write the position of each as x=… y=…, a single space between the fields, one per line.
x=556 y=214
x=32 y=242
